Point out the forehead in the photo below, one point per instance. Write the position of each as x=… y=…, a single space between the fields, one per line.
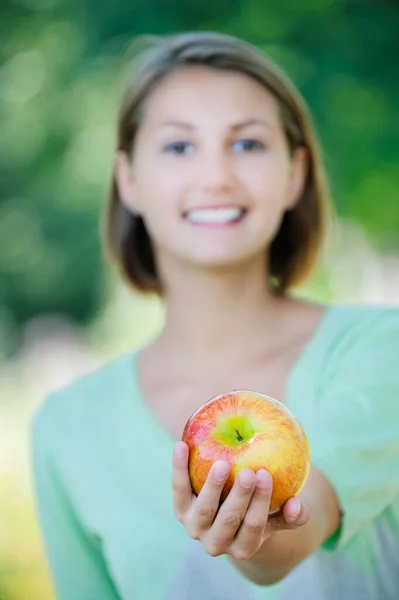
x=194 y=90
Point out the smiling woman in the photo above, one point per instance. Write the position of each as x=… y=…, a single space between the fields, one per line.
x=265 y=131
x=218 y=204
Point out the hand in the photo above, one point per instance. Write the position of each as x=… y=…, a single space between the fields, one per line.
x=242 y=524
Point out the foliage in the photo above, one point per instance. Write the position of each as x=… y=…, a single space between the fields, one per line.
x=58 y=100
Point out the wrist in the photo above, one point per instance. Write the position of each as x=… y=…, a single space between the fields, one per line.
x=281 y=551
x=259 y=568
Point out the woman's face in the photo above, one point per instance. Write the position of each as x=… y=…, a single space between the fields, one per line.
x=211 y=173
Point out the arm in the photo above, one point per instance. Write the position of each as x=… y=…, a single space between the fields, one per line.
x=74 y=556
x=353 y=431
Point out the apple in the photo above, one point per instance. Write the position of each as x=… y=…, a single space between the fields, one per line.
x=248 y=430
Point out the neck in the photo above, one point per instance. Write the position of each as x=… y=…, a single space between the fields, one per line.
x=213 y=316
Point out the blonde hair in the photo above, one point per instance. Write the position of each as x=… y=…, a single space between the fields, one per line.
x=295 y=248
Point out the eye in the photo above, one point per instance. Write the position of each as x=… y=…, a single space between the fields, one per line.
x=182 y=148
x=248 y=145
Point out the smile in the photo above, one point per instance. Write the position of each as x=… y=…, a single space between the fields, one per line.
x=215 y=216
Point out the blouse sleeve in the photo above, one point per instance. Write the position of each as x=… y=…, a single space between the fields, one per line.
x=355 y=429
x=74 y=555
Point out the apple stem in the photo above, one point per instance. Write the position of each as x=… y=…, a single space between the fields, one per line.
x=239 y=438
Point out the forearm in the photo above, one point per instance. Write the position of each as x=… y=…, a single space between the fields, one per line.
x=284 y=550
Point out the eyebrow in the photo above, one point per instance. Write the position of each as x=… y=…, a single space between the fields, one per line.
x=234 y=127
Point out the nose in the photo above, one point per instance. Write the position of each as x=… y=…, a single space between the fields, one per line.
x=216 y=174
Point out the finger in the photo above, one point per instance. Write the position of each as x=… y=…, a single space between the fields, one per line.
x=294 y=514
x=249 y=537
x=207 y=503
x=181 y=484
x=231 y=513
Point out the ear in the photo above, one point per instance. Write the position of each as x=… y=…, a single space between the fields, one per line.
x=299 y=171
x=125 y=182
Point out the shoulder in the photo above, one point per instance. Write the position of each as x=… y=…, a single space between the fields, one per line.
x=353 y=318
x=361 y=343
x=84 y=403
x=359 y=326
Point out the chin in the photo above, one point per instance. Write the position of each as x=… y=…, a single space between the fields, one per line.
x=228 y=260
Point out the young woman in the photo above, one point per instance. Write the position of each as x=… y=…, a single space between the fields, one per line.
x=218 y=204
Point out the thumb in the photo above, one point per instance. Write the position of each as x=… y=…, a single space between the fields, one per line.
x=295 y=513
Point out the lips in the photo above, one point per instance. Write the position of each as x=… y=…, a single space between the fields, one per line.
x=222 y=215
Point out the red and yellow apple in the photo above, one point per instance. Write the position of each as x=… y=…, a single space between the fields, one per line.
x=248 y=430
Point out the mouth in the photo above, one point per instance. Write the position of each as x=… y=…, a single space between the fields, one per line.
x=223 y=215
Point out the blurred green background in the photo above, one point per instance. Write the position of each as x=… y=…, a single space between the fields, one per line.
x=62 y=310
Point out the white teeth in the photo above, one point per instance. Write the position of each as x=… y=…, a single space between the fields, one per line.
x=215 y=215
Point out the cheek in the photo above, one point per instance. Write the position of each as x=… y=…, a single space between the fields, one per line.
x=269 y=188
x=268 y=176
x=159 y=208
x=157 y=189
x=163 y=181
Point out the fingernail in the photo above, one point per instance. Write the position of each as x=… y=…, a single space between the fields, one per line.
x=296 y=512
x=221 y=470
x=180 y=450
x=246 y=479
